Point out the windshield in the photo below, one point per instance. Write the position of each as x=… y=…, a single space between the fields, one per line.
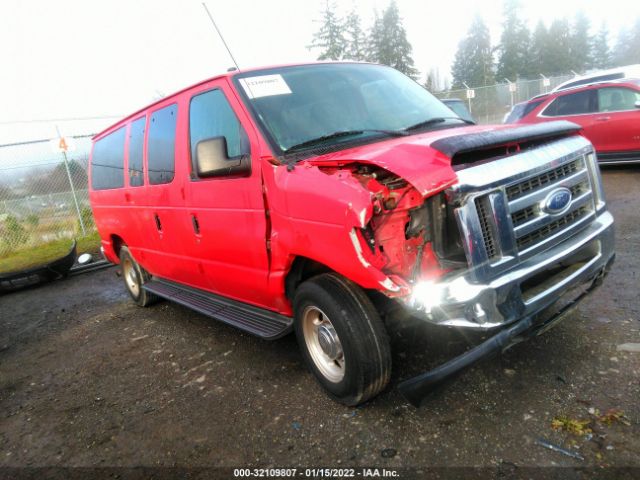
x=299 y=105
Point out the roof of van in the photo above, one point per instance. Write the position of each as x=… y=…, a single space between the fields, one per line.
x=231 y=72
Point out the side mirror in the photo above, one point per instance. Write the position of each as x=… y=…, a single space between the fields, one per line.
x=212 y=160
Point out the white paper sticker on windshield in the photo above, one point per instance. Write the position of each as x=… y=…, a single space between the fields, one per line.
x=265 y=86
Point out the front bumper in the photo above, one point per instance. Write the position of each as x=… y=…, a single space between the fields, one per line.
x=415 y=389
x=523 y=291
x=514 y=300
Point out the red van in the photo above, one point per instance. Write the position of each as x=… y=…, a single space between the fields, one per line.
x=325 y=198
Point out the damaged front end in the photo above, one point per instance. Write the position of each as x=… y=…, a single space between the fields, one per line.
x=417 y=243
x=518 y=232
x=409 y=239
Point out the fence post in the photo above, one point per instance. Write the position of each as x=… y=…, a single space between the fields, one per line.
x=73 y=190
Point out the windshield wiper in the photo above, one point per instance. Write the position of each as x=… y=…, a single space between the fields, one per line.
x=342 y=133
x=433 y=121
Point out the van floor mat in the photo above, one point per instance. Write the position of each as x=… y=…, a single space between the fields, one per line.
x=257 y=321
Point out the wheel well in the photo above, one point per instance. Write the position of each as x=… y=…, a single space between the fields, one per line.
x=117 y=243
x=302 y=269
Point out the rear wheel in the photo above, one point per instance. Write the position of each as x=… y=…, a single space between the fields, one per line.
x=342 y=338
x=134 y=277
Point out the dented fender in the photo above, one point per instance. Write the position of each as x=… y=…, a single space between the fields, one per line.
x=313 y=214
x=351 y=216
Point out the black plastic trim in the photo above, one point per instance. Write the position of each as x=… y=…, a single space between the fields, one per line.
x=619 y=157
x=456 y=144
x=54 y=270
x=257 y=321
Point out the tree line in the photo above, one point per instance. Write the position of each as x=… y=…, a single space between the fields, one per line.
x=566 y=46
x=384 y=42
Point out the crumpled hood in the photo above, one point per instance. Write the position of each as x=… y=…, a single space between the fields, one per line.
x=424 y=160
x=411 y=157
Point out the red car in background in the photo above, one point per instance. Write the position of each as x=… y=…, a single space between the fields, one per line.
x=608 y=112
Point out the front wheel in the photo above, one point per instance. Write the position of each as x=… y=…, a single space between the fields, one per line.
x=342 y=338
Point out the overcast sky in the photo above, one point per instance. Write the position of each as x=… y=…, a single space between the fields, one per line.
x=63 y=58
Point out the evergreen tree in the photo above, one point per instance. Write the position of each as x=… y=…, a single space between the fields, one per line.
x=627 y=50
x=473 y=63
x=600 y=52
x=580 y=43
x=433 y=82
x=329 y=38
x=429 y=83
x=374 y=39
x=355 y=38
x=388 y=42
x=558 y=48
x=513 y=56
x=538 y=51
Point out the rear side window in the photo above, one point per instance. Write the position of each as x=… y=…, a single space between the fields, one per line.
x=572 y=104
x=616 y=99
x=107 y=161
x=136 y=142
x=161 y=147
x=210 y=116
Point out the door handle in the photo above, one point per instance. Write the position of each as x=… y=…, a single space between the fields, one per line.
x=127 y=197
x=603 y=119
x=195 y=224
x=158 y=224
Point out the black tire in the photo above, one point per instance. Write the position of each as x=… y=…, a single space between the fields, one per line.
x=134 y=277
x=365 y=364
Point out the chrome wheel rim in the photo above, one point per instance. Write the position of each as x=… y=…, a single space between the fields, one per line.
x=323 y=344
x=130 y=277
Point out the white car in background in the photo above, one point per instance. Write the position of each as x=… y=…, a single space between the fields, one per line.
x=628 y=71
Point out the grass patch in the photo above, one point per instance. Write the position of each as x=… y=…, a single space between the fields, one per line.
x=44 y=253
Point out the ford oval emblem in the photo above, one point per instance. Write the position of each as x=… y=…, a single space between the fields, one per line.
x=557 y=201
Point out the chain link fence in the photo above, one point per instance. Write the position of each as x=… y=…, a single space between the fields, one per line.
x=490 y=104
x=43 y=194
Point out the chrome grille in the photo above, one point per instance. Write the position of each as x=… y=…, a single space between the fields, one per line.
x=486 y=224
x=532 y=225
x=539 y=181
x=549 y=229
x=523 y=215
x=503 y=212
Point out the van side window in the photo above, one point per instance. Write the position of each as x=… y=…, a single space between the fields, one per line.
x=210 y=116
x=107 y=161
x=161 y=148
x=136 y=141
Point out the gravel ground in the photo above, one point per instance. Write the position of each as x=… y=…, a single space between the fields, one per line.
x=89 y=379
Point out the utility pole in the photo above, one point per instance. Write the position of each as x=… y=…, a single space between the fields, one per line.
x=545 y=83
x=470 y=94
x=73 y=190
x=512 y=89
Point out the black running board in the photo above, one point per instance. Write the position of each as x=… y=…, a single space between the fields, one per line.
x=257 y=321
